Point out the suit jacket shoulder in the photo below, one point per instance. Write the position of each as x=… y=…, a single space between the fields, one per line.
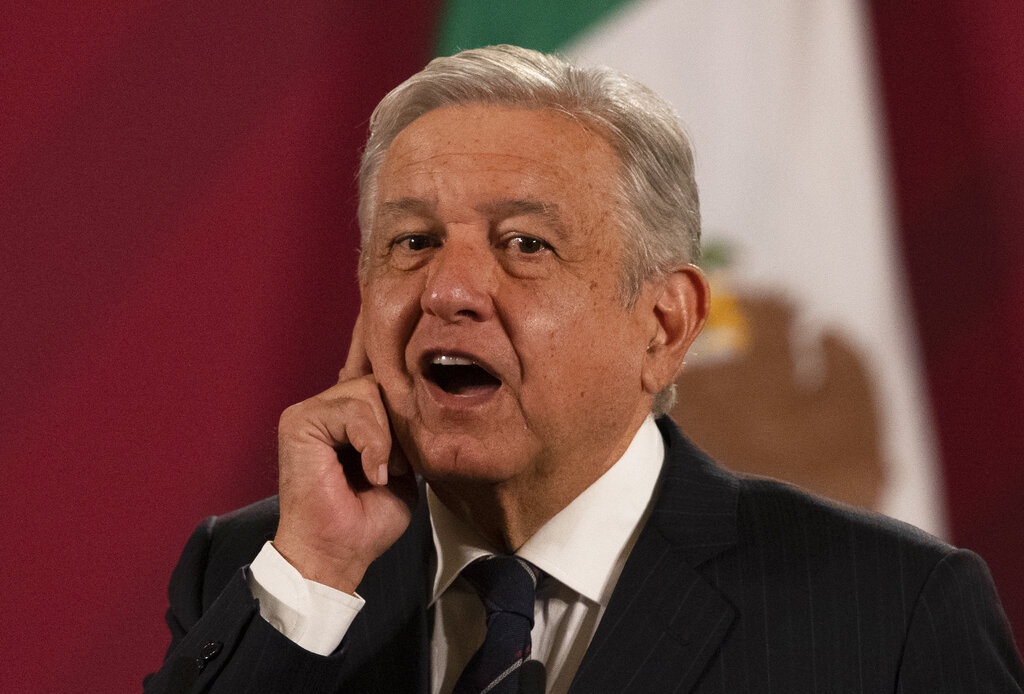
x=797 y=531
x=228 y=542
x=904 y=608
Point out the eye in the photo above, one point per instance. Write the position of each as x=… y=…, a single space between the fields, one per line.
x=528 y=245
x=410 y=250
x=415 y=242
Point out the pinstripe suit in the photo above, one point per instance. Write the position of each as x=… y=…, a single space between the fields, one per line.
x=735 y=585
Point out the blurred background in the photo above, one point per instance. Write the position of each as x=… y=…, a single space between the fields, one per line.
x=178 y=249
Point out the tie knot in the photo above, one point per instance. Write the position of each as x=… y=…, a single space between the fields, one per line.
x=505 y=583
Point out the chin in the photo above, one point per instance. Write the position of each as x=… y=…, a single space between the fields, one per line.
x=463 y=458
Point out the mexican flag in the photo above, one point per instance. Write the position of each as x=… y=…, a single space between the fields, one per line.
x=177 y=229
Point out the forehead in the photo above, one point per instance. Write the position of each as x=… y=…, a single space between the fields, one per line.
x=503 y=152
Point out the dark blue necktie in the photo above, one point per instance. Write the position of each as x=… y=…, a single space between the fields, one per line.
x=506 y=585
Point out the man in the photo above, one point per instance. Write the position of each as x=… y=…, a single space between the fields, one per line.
x=527 y=300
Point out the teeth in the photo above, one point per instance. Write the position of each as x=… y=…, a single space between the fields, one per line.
x=449 y=360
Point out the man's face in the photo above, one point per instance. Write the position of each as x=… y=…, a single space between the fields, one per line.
x=490 y=299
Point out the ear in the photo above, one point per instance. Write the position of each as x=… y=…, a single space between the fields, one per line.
x=682 y=300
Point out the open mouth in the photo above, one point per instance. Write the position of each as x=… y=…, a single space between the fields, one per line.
x=461 y=376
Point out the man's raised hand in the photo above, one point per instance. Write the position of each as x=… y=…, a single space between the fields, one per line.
x=345 y=486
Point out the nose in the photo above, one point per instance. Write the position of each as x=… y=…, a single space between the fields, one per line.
x=460 y=283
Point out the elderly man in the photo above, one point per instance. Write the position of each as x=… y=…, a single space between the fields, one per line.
x=527 y=300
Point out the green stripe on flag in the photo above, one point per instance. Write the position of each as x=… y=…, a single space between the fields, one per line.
x=544 y=25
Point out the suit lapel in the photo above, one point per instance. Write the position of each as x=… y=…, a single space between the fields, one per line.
x=665 y=621
x=387 y=648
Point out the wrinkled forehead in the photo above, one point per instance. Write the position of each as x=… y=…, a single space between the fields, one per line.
x=509 y=153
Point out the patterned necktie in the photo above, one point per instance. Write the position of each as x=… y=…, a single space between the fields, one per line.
x=506 y=585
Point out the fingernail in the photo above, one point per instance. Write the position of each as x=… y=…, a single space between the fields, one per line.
x=382 y=474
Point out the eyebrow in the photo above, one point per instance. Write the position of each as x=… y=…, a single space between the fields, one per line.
x=407 y=206
x=515 y=207
x=521 y=207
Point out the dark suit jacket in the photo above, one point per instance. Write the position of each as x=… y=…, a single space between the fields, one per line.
x=735 y=585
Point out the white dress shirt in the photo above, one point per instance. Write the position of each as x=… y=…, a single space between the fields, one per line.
x=582 y=551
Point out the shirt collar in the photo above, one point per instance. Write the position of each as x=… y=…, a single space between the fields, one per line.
x=585 y=545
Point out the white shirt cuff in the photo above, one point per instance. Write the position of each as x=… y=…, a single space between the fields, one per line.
x=311 y=614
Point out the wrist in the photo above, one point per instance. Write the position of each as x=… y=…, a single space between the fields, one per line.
x=343 y=573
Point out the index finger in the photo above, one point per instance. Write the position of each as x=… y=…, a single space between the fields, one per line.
x=357 y=363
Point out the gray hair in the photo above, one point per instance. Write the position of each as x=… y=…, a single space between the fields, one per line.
x=658 y=207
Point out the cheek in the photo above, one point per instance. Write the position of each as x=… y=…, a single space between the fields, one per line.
x=571 y=350
x=389 y=314
x=544 y=327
